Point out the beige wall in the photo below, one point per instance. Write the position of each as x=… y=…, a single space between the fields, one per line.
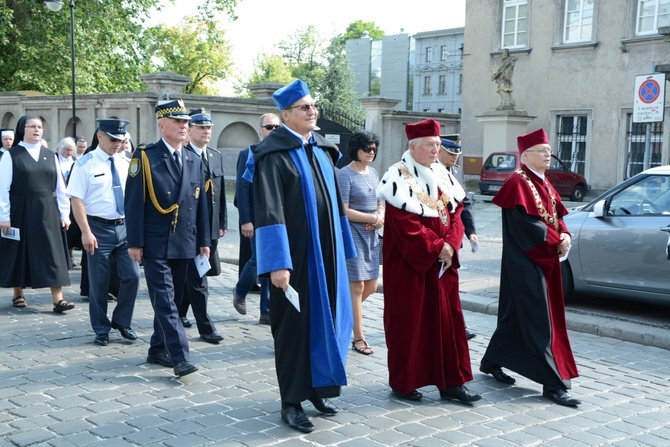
x=235 y=120
x=549 y=80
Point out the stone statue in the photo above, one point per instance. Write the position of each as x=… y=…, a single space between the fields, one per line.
x=504 y=79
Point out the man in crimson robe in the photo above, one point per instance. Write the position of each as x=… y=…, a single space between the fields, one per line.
x=303 y=238
x=531 y=337
x=423 y=231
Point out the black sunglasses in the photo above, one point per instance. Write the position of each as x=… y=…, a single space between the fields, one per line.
x=369 y=149
x=271 y=126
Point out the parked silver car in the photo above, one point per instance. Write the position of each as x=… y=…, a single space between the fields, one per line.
x=620 y=241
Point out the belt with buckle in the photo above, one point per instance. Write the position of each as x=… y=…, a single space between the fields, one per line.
x=115 y=222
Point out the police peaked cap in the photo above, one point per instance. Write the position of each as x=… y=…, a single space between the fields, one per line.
x=113 y=127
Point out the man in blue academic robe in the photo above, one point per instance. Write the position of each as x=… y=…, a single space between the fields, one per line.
x=303 y=238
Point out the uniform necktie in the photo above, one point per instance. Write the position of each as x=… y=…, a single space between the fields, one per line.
x=204 y=160
x=177 y=159
x=116 y=187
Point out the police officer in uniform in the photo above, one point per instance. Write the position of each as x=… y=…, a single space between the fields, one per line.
x=197 y=293
x=450 y=150
x=167 y=222
x=96 y=188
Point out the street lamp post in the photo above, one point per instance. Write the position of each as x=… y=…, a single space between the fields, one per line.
x=55 y=5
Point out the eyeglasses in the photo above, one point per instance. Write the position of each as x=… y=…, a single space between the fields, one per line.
x=540 y=151
x=34 y=126
x=271 y=126
x=369 y=149
x=304 y=107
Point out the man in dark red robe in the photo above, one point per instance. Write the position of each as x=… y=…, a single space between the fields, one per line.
x=423 y=320
x=531 y=337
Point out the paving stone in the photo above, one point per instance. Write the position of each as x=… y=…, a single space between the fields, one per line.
x=58 y=389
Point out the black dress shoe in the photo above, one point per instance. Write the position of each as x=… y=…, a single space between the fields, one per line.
x=101 y=340
x=185 y=322
x=469 y=334
x=264 y=319
x=125 y=332
x=561 y=397
x=414 y=395
x=460 y=393
x=296 y=418
x=213 y=338
x=498 y=374
x=161 y=358
x=321 y=405
x=184 y=368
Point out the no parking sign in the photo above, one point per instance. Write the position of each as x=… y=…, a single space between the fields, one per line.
x=649 y=103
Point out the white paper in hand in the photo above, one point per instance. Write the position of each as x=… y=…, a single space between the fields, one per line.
x=202 y=264
x=564 y=257
x=293 y=298
x=442 y=270
x=13 y=233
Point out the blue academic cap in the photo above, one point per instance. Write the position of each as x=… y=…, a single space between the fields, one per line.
x=286 y=96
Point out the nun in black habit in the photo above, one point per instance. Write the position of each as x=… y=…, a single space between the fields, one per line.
x=33 y=199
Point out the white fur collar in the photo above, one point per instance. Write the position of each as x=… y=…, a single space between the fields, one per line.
x=415 y=190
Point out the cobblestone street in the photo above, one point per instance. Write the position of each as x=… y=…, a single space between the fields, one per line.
x=58 y=389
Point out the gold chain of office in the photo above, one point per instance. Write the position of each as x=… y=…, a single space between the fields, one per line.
x=551 y=219
x=439 y=204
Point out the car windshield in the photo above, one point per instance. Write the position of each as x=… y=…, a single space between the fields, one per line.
x=651 y=195
x=500 y=162
x=556 y=165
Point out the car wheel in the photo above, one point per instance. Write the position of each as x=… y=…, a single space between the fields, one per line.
x=577 y=194
x=568 y=282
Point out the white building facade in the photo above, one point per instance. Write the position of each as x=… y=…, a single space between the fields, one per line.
x=438 y=71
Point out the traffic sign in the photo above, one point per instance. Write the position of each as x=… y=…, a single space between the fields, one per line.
x=649 y=104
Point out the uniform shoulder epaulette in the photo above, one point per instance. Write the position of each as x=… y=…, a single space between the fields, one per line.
x=214 y=149
x=144 y=147
x=84 y=159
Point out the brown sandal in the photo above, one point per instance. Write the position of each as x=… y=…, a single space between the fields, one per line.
x=365 y=350
x=62 y=306
x=19 y=301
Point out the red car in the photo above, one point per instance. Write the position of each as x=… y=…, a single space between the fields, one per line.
x=500 y=165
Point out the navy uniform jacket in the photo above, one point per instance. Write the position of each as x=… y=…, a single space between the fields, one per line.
x=244 y=196
x=217 y=204
x=152 y=230
x=467 y=216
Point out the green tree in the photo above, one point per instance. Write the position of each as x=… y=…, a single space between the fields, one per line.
x=110 y=42
x=335 y=88
x=270 y=68
x=356 y=29
x=304 y=54
x=322 y=64
x=196 y=48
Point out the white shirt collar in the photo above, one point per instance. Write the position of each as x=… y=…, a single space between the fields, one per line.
x=198 y=150
x=535 y=172
x=31 y=146
x=170 y=148
x=303 y=139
